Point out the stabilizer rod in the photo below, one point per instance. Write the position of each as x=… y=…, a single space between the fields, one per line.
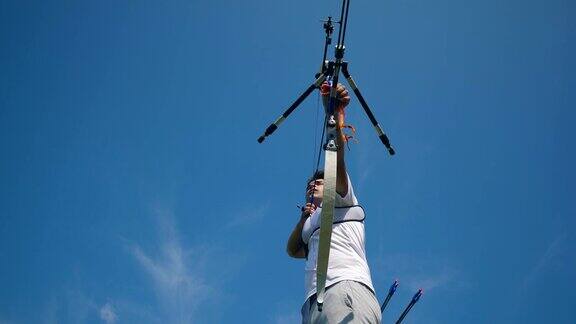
x=270 y=129
x=383 y=138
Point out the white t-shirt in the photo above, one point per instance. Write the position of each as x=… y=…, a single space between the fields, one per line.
x=347 y=259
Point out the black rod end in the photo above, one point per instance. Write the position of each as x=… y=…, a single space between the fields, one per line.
x=384 y=139
x=267 y=132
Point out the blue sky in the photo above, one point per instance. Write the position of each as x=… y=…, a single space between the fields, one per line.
x=132 y=188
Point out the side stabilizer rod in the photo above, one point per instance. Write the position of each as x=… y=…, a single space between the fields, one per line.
x=383 y=138
x=270 y=129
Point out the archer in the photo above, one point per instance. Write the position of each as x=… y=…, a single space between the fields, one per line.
x=349 y=296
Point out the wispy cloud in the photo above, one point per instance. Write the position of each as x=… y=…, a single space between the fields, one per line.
x=440 y=278
x=249 y=217
x=364 y=168
x=363 y=175
x=180 y=287
x=420 y=272
x=552 y=252
x=50 y=311
x=285 y=311
x=129 y=311
x=69 y=305
x=288 y=318
x=108 y=314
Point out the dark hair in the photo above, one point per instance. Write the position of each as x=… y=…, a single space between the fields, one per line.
x=319 y=174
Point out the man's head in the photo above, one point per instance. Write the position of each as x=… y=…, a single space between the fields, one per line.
x=315 y=187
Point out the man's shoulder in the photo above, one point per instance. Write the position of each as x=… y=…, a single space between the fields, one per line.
x=349 y=199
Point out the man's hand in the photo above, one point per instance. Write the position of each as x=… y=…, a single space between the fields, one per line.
x=308 y=210
x=295 y=247
x=342 y=95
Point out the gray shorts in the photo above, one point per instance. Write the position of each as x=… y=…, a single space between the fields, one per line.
x=345 y=302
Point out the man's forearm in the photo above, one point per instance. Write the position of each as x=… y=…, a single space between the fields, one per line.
x=295 y=245
x=341 y=175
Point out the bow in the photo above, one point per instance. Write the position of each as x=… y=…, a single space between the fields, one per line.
x=330 y=70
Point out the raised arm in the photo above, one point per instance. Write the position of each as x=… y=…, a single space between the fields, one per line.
x=343 y=100
x=295 y=247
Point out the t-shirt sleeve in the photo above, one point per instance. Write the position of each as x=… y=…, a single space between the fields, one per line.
x=349 y=199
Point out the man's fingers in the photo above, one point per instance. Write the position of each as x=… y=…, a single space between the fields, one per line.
x=345 y=100
x=310 y=208
x=341 y=93
x=325 y=88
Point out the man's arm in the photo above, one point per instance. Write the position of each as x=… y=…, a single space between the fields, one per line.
x=341 y=174
x=295 y=247
x=343 y=99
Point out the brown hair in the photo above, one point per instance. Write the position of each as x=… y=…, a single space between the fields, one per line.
x=319 y=174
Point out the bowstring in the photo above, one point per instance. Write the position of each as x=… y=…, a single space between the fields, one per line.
x=315 y=130
x=318 y=144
